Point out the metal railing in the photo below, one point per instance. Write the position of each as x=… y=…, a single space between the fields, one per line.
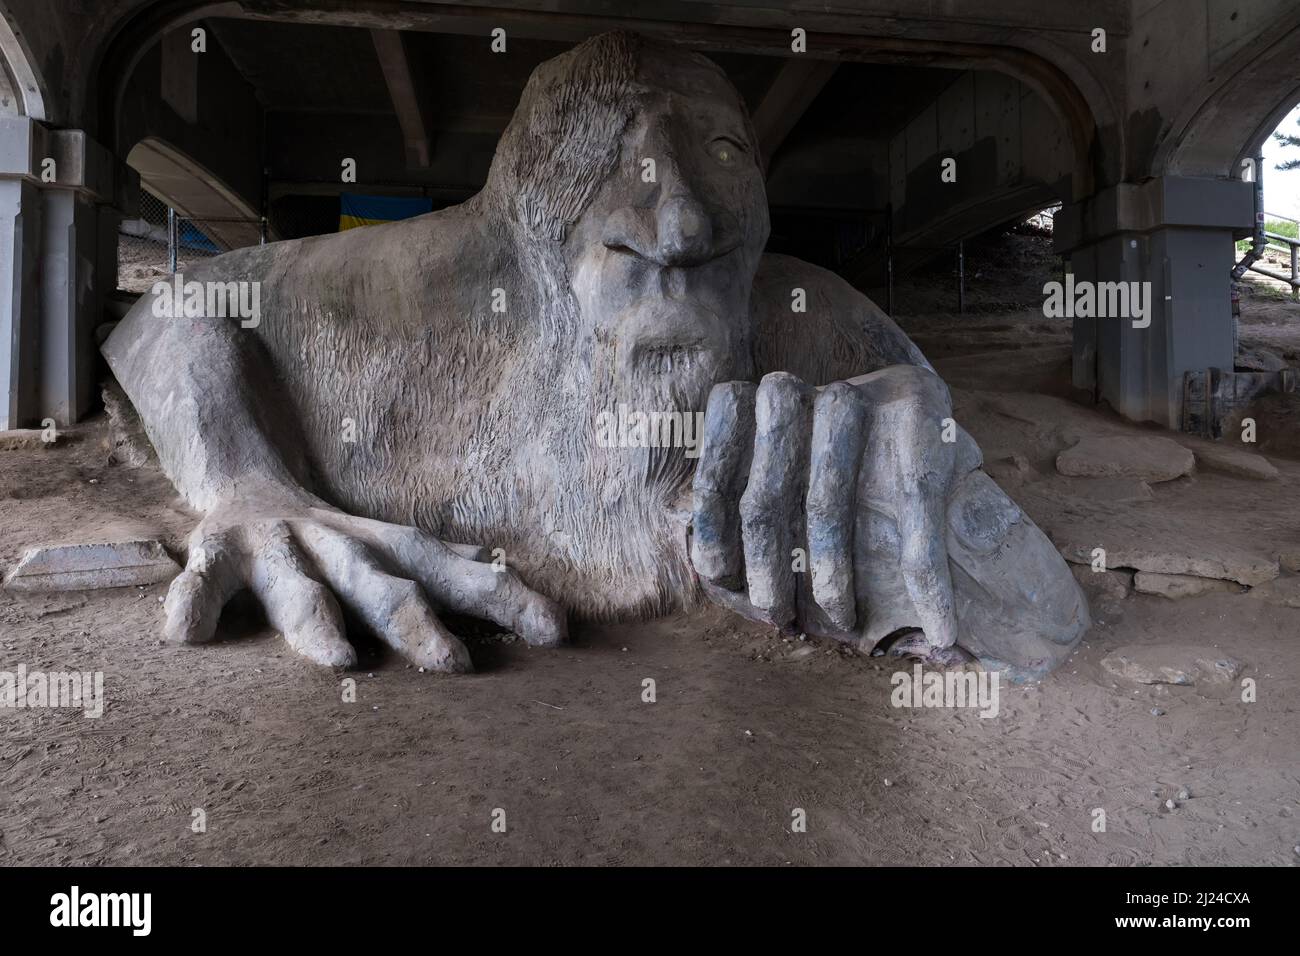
x=1287 y=245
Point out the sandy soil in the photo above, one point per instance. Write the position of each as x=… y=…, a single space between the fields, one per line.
x=141 y=263
x=746 y=727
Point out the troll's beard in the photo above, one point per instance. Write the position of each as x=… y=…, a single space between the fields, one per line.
x=602 y=529
x=634 y=553
x=615 y=518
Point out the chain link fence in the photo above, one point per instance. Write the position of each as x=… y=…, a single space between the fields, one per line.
x=160 y=242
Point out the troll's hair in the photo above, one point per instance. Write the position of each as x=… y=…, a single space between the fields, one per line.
x=563 y=139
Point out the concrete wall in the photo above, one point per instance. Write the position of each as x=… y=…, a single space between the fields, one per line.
x=309 y=148
x=219 y=123
x=1203 y=79
x=1004 y=139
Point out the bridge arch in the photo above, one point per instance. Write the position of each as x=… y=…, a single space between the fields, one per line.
x=1231 y=116
x=195 y=192
x=22 y=88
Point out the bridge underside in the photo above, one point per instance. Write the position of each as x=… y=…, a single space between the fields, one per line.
x=887 y=139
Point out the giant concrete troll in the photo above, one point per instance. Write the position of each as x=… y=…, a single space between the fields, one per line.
x=410 y=430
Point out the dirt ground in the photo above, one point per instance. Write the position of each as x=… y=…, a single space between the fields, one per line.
x=142 y=262
x=746 y=726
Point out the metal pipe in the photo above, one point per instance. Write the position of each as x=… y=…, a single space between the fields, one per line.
x=1295 y=272
x=171 y=240
x=1258 y=240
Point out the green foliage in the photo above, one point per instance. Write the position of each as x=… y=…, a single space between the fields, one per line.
x=1283 y=227
x=1288 y=140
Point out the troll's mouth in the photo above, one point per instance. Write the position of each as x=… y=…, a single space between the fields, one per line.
x=663 y=359
x=660 y=338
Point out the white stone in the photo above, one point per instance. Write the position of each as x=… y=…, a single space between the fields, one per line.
x=83 y=567
x=1150 y=458
x=1172 y=664
x=1179 y=585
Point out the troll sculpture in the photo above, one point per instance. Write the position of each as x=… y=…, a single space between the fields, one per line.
x=420 y=384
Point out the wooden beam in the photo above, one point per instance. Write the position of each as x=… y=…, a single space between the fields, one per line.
x=787 y=99
x=391 y=50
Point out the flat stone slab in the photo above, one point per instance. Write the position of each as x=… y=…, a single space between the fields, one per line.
x=85 y=567
x=1235 y=461
x=1150 y=458
x=1179 y=585
x=1172 y=664
x=1227 y=563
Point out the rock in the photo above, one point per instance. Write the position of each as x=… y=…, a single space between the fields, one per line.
x=1259 y=360
x=1290 y=560
x=1235 y=461
x=1172 y=664
x=21 y=439
x=1179 y=585
x=130 y=443
x=1014 y=468
x=1170 y=805
x=1184 y=558
x=83 y=567
x=1284 y=592
x=1103 y=585
x=1184 y=793
x=1150 y=458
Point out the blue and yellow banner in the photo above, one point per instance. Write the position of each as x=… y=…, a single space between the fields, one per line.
x=358 y=210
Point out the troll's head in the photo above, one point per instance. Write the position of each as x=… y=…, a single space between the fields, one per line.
x=632 y=166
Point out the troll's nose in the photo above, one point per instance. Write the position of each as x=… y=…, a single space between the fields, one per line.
x=684 y=232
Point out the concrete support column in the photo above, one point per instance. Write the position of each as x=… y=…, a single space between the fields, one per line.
x=68 y=299
x=22 y=143
x=1173 y=236
x=76 y=274
x=20 y=225
x=58 y=260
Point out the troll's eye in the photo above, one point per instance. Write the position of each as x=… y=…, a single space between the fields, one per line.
x=726 y=150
